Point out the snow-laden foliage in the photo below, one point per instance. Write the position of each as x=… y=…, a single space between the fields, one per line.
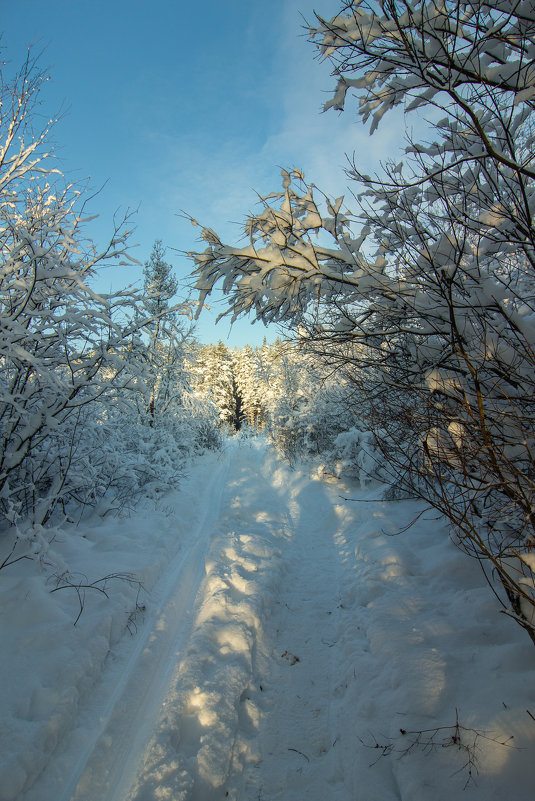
x=168 y=336
x=214 y=380
x=76 y=373
x=303 y=411
x=424 y=297
x=279 y=391
x=413 y=52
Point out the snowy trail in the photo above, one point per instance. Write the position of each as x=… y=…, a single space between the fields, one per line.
x=290 y=632
x=296 y=741
x=194 y=747
x=105 y=766
x=123 y=706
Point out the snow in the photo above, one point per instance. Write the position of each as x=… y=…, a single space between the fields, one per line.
x=282 y=642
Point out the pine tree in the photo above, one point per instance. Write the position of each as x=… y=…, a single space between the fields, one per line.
x=160 y=285
x=246 y=372
x=218 y=382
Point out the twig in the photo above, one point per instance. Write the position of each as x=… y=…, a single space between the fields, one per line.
x=386 y=749
x=463 y=738
x=7 y=563
x=99 y=585
x=299 y=752
x=378 y=500
x=409 y=525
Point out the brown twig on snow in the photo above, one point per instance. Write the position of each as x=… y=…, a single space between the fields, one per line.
x=299 y=752
x=461 y=737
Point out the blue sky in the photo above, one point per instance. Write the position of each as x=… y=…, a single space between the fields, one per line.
x=172 y=106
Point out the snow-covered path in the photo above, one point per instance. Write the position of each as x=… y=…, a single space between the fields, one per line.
x=105 y=769
x=290 y=631
x=295 y=746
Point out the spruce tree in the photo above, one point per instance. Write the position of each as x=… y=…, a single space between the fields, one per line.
x=160 y=285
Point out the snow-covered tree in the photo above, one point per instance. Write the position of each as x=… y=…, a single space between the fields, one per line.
x=167 y=333
x=304 y=407
x=216 y=382
x=160 y=285
x=60 y=343
x=245 y=366
x=73 y=366
x=425 y=296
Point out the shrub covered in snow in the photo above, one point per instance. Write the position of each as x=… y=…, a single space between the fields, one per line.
x=76 y=373
x=425 y=295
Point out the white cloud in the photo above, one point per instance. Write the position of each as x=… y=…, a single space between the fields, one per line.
x=216 y=180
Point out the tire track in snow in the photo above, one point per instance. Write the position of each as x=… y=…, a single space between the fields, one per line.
x=193 y=752
x=249 y=709
x=137 y=685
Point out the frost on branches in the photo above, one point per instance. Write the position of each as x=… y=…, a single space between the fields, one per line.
x=73 y=364
x=424 y=296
